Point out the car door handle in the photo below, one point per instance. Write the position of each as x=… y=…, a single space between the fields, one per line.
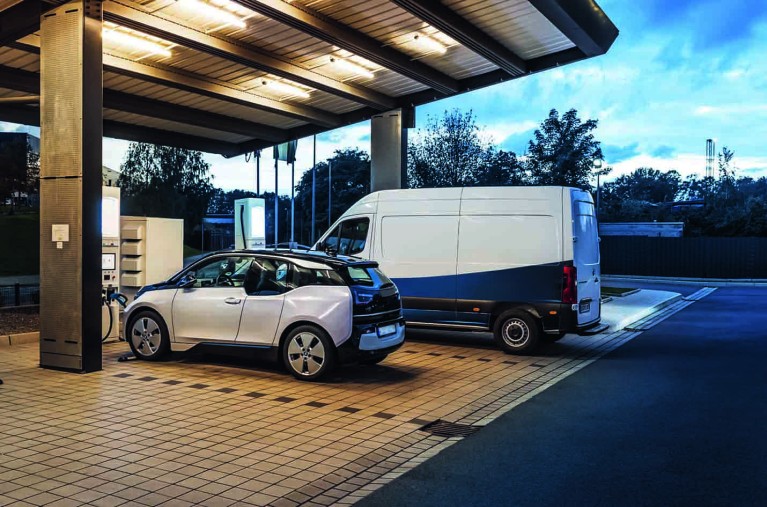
x=232 y=301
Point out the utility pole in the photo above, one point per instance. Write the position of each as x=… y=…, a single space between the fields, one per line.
x=330 y=191
x=276 y=204
x=292 y=201
x=314 y=173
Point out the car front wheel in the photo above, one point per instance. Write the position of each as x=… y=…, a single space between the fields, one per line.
x=516 y=332
x=308 y=353
x=148 y=336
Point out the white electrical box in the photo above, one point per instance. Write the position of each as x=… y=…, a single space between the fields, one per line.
x=110 y=259
x=152 y=249
x=249 y=223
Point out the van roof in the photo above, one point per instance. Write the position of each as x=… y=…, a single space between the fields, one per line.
x=464 y=193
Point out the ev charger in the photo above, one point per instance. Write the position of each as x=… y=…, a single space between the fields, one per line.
x=249 y=224
x=110 y=259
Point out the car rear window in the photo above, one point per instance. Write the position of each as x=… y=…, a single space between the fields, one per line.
x=368 y=276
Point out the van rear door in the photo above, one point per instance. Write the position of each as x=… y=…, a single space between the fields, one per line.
x=586 y=256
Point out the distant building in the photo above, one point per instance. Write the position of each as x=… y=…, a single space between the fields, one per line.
x=649 y=229
x=109 y=177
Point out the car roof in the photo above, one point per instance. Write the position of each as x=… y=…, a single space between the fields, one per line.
x=312 y=255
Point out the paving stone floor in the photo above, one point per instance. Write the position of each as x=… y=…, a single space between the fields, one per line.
x=211 y=430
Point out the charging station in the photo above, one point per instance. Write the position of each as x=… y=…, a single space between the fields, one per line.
x=250 y=223
x=110 y=261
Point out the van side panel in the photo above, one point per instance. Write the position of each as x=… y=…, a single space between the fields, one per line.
x=417 y=248
x=510 y=251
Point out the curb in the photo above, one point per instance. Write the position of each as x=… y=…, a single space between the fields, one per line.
x=19 y=339
x=628 y=322
x=706 y=282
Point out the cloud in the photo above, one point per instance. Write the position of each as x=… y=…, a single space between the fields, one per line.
x=614 y=154
x=730 y=109
x=663 y=151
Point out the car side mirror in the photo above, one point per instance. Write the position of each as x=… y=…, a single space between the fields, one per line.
x=187 y=281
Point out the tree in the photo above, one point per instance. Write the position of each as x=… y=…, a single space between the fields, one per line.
x=19 y=168
x=451 y=152
x=639 y=195
x=563 y=151
x=166 y=182
x=350 y=183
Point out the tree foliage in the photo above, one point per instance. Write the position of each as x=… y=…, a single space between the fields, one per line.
x=350 y=182
x=725 y=205
x=563 y=151
x=450 y=152
x=19 y=169
x=166 y=182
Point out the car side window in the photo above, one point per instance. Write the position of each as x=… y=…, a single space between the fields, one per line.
x=268 y=277
x=308 y=276
x=222 y=272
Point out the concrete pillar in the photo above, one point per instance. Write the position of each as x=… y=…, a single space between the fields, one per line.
x=70 y=186
x=388 y=149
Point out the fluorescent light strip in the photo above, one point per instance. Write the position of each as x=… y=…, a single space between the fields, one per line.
x=215 y=13
x=135 y=42
x=285 y=88
x=429 y=44
x=351 y=67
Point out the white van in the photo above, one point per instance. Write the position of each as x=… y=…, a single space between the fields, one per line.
x=520 y=261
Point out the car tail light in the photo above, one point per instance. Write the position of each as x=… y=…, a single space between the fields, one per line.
x=569 y=285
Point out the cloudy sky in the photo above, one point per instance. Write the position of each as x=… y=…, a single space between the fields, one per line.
x=681 y=71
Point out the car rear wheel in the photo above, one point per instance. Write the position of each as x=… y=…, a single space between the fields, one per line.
x=308 y=353
x=148 y=336
x=516 y=332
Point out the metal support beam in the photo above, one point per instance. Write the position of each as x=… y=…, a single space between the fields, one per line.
x=447 y=21
x=582 y=21
x=388 y=150
x=241 y=53
x=31 y=116
x=21 y=19
x=70 y=187
x=180 y=80
x=326 y=29
x=21 y=80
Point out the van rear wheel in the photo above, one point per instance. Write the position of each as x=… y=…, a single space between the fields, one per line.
x=516 y=332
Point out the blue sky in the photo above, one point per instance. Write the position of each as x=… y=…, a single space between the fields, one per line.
x=681 y=71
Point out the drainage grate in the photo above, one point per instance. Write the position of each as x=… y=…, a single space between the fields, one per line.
x=448 y=429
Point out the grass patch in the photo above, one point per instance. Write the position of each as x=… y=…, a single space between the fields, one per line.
x=20 y=247
x=189 y=251
x=616 y=291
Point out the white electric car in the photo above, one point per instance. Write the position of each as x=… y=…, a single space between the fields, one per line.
x=312 y=310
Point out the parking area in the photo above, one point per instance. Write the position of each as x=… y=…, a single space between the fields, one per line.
x=213 y=430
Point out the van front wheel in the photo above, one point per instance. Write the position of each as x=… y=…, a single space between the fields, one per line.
x=516 y=332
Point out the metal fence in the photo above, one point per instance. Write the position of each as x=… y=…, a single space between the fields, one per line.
x=19 y=295
x=685 y=257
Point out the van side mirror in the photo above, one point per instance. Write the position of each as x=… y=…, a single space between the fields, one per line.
x=187 y=281
x=320 y=246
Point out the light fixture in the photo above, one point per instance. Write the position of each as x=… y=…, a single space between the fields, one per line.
x=223 y=12
x=135 y=41
x=351 y=67
x=285 y=88
x=429 y=44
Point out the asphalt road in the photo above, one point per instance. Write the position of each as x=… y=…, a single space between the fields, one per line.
x=675 y=417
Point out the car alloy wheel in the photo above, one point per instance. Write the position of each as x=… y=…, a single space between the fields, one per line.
x=306 y=354
x=148 y=337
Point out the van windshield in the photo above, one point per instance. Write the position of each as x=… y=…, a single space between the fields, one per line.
x=350 y=237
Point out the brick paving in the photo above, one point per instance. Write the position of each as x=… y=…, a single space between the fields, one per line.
x=206 y=430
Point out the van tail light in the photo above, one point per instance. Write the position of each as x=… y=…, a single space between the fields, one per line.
x=569 y=285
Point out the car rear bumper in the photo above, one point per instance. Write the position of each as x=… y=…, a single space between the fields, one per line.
x=365 y=341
